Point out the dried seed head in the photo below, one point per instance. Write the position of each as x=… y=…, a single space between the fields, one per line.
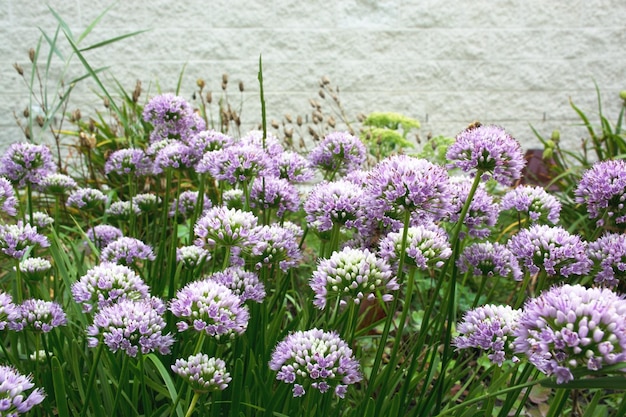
x=92 y=125
x=289 y=133
x=288 y=118
x=275 y=124
x=312 y=102
x=137 y=92
x=302 y=144
x=40 y=120
x=321 y=93
x=361 y=117
x=106 y=102
x=224 y=78
x=335 y=98
x=312 y=132
x=325 y=80
x=76 y=115
x=241 y=86
x=26 y=112
x=18 y=68
x=200 y=83
x=238 y=121
x=224 y=86
x=27 y=132
x=209 y=97
x=299 y=120
x=331 y=122
x=31 y=54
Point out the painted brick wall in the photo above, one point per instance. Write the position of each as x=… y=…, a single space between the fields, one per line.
x=447 y=63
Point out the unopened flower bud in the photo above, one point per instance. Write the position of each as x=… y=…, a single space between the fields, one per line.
x=622 y=95
x=76 y=115
x=547 y=153
x=224 y=78
x=556 y=136
x=299 y=120
x=200 y=83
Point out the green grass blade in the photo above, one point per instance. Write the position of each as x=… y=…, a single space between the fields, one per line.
x=167 y=379
x=59 y=388
x=180 y=79
x=93 y=24
x=112 y=40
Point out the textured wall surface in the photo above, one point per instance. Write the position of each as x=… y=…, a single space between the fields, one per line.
x=447 y=63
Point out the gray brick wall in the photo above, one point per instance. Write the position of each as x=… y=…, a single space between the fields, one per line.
x=447 y=63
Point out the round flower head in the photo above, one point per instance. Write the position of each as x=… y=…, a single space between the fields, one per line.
x=275 y=245
x=186 y=204
x=272 y=146
x=534 y=203
x=14 y=398
x=338 y=153
x=8 y=310
x=16 y=239
x=489 y=328
x=146 y=202
x=210 y=307
x=242 y=283
x=294 y=167
x=234 y=199
x=38 y=316
x=570 y=327
x=131 y=325
x=237 y=164
x=489 y=260
x=171 y=116
x=271 y=193
x=103 y=234
x=106 y=284
x=401 y=184
x=224 y=227
x=482 y=214
x=603 y=190
x=207 y=141
x=42 y=220
x=608 y=255
x=315 y=359
x=126 y=250
x=130 y=161
x=122 y=210
x=86 y=198
x=26 y=163
x=352 y=275
x=35 y=268
x=175 y=155
x=8 y=200
x=55 y=183
x=335 y=203
x=551 y=249
x=203 y=374
x=488 y=150
x=427 y=246
x=192 y=256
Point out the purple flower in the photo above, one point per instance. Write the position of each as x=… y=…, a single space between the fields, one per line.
x=275 y=245
x=172 y=118
x=551 y=249
x=210 y=307
x=488 y=150
x=603 y=189
x=26 y=163
x=187 y=202
x=126 y=250
x=237 y=164
x=242 y=283
x=42 y=220
x=315 y=359
x=482 y=214
x=570 y=327
x=34 y=268
x=192 y=256
x=86 y=198
x=122 y=210
x=272 y=146
x=8 y=200
x=401 y=184
x=103 y=234
x=131 y=325
x=427 y=246
x=608 y=255
x=271 y=193
x=128 y=162
x=208 y=140
x=203 y=374
x=294 y=167
x=106 y=284
x=489 y=260
x=338 y=153
x=146 y=202
x=534 y=203
x=224 y=227
x=335 y=203
x=16 y=239
x=175 y=155
x=352 y=275
x=234 y=198
x=489 y=328
x=14 y=398
x=39 y=316
x=8 y=310
x=55 y=183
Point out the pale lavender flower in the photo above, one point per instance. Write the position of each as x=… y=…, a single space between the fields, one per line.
x=352 y=275
x=187 y=203
x=146 y=202
x=42 y=220
x=358 y=177
x=122 y=210
x=203 y=374
x=532 y=202
x=38 y=316
x=130 y=326
x=489 y=328
x=242 y=283
x=427 y=246
x=234 y=198
x=35 y=268
x=154 y=147
x=274 y=245
x=608 y=254
x=294 y=167
x=315 y=359
x=237 y=164
x=129 y=161
x=86 y=198
x=172 y=118
x=103 y=234
x=338 y=153
x=488 y=150
x=126 y=250
x=14 y=398
x=603 y=190
x=16 y=239
x=208 y=140
x=55 y=183
x=272 y=146
x=338 y=203
x=8 y=310
x=24 y=163
x=175 y=155
x=482 y=214
x=210 y=307
x=551 y=249
x=106 y=284
x=275 y=194
x=224 y=227
x=570 y=327
x=489 y=260
x=8 y=199
x=192 y=256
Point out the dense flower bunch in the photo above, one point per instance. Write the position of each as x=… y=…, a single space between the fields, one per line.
x=41 y=220
x=276 y=194
x=122 y=210
x=106 y=284
x=237 y=164
x=146 y=202
x=55 y=183
x=39 y=316
x=489 y=151
x=8 y=310
x=126 y=250
x=172 y=117
x=603 y=190
x=570 y=327
x=129 y=161
x=225 y=227
x=203 y=374
x=315 y=359
x=185 y=205
x=534 y=203
x=489 y=328
x=8 y=200
x=427 y=246
x=175 y=155
x=338 y=153
x=274 y=245
x=131 y=325
x=86 y=198
x=490 y=260
x=335 y=203
x=352 y=275
x=26 y=163
x=14 y=398
x=16 y=239
x=34 y=268
x=192 y=256
x=208 y=140
x=242 y=283
x=608 y=254
x=270 y=145
x=103 y=234
x=482 y=214
x=294 y=167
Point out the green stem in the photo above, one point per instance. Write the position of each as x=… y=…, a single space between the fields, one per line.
x=92 y=377
x=192 y=406
x=121 y=379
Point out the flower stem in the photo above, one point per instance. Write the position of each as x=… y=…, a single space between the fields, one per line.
x=92 y=377
x=192 y=405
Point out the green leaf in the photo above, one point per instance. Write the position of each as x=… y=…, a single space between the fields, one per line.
x=167 y=379
x=59 y=388
x=112 y=40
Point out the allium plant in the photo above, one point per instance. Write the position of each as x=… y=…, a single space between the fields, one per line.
x=38 y=316
x=337 y=154
x=26 y=163
x=41 y=220
x=202 y=373
x=8 y=200
x=488 y=259
x=8 y=310
x=603 y=190
x=483 y=212
x=224 y=227
x=126 y=251
x=171 y=116
x=55 y=183
x=185 y=205
x=192 y=256
x=16 y=393
x=427 y=246
x=131 y=161
x=103 y=234
x=175 y=155
x=237 y=164
x=146 y=202
x=86 y=198
x=274 y=194
x=242 y=283
x=608 y=254
x=208 y=140
x=16 y=239
x=294 y=167
x=335 y=204
x=34 y=268
x=532 y=203
x=274 y=245
x=122 y=210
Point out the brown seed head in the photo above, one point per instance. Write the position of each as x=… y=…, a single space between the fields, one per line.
x=288 y=118
x=200 y=83
x=209 y=97
x=241 y=86
x=106 y=102
x=40 y=120
x=137 y=92
x=325 y=80
x=76 y=115
x=26 y=112
x=18 y=68
x=31 y=54
x=321 y=93
x=299 y=120
x=275 y=124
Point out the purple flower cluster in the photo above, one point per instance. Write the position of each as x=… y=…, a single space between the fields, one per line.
x=603 y=190
x=14 y=398
x=224 y=227
x=192 y=256
x=39 y=316
x=16 y=239
x=490 y=151
x=86 y=198
x=335 y=203
x=569 y=327
x=274 y=194
x=608 y=255
x=482 y=214
x=535 y=203
x=237 y=164
x=338 y=153
x=122 y=210
x=187 y=201
x=427 y=246
x=208 y=140
x=103 y=234
x=106 y=284
x=210 y=307
x=352 y=275
x=203 y=374
x=175 y=155
x=128 y=162
x=489 y=328
x=551 y=249
x=172 y=118
x=294 y=167
x=8 y=199
x=55 y=183
x=26 y=163
x=489 y=260
x=242 y=283
x=34 y=268
x=126 y=250
x=42 y=220
x=146 y=202
x=131 y=325
x=8 y=310
x=275 y=245
x=315 y=359
x=271 y=147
